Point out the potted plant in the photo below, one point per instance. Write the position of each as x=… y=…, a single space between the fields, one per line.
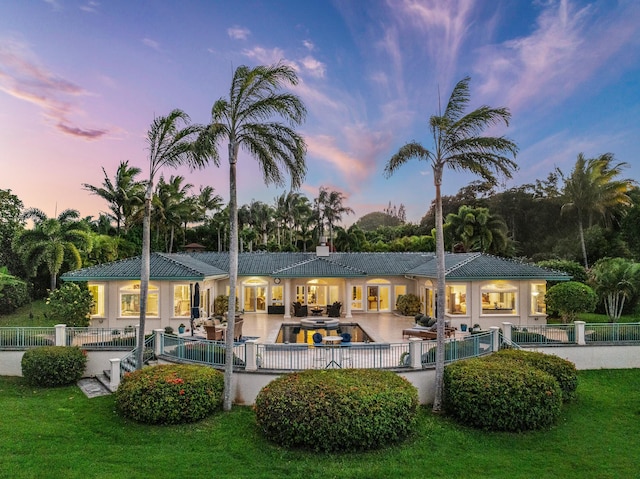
x=463 y=327
x=181 y=328
x=168 y=330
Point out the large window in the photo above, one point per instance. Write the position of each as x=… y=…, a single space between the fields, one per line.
x=456 y=299
x=499 y=297
x=97 y=293
x=538 y=305
x=276 y=295
x=356 y=297
x=399 y=290
x=130 y=301
x=181 y=301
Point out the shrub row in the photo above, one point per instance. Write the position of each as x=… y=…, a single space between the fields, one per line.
x=170 y=394
x=337 y=410
x=512 y=390
x=51 y=366
x=501 y=395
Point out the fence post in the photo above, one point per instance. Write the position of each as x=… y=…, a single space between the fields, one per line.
x=251 y=354
x=506 y=331
x=114 y=380
x=579 y=325
x=61 y=334
x=158 y=341
x=495 y=338
x=415 y=353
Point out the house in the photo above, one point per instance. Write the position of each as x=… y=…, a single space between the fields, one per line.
x=480 y=289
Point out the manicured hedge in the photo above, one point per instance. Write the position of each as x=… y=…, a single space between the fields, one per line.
x=564 y=371
x=170 y=394
x=337 y=410
x=501 y=395
x=51 y=366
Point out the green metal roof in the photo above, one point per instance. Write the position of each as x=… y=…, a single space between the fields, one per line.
x=198 y=265
x=478 y=266
x=162 y=267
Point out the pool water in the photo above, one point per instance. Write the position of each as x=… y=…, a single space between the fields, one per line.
x=294 y=333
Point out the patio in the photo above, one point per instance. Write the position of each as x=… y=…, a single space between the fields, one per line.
x=381 y=327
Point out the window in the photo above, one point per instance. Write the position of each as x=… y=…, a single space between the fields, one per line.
x=499 y=297
x=181 y=301
x=538 y=305
x=97 y=293
x=130 y=301
x=276 y=295
x=356 y=297
x=456 y=299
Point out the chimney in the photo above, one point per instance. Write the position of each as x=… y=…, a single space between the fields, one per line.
x=322 y=249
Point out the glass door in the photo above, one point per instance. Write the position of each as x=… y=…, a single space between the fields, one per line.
x=356 y=297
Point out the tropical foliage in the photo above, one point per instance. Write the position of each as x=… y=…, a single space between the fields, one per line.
x=615 y=280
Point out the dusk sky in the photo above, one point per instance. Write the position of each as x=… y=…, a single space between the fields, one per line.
x=82 y=80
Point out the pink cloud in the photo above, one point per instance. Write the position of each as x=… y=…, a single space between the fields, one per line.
x=22 y=77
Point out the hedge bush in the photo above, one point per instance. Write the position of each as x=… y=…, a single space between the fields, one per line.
x=13 y=292
x=51 y=366
x=337 y=410
x=170 y=394
x=564 y=371
x=571 y=298
x=71 y=304
x=501 y=395
x=408 y=304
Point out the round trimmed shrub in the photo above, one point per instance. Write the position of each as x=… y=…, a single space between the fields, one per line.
x=337 y=410
x=501 y=395
x=51 y=366
x=571 y=298
x=408 y=304
x=564 y=371
x=170 y=394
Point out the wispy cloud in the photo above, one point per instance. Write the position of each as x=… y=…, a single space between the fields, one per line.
x=21 y=76
x=309 y=45
x=238 y=33
x=54 y=4
x=90 y=7
x=313 y=66
x=568 y=46
x=151 y=43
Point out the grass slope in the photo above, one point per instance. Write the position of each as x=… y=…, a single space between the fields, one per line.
x=59 y=433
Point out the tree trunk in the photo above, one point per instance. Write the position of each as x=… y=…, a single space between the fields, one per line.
x=53 y=283
x=144 y=272
x=233 y=276
x=582 y=243
x=440 y=303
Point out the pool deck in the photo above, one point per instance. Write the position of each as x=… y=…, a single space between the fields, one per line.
x=381 y=327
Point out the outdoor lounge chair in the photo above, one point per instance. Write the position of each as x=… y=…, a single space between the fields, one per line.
x=214 y=333
x=237 y=330
x=333 y=311
x=299 y=310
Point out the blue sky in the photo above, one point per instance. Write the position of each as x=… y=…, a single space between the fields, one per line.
x=81 y=81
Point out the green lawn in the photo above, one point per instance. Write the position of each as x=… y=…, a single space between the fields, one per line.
x=33 y=314
x=59 y=433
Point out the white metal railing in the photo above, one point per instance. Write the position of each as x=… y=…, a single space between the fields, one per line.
x=472 y=346
x=101 y=338
x=612 y=333
x=23 y=338
x=543 y=334
x=201 y=350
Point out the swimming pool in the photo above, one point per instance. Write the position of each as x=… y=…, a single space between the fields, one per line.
x=295 y=333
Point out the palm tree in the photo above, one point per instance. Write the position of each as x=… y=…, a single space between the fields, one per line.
x=457 y=144
x=170 y=144
x=244 y=119
x=331 y=209
x=172 y=207
x=53 y=241
x=592 y=189
x=123 y=194
x=350 y=239
x=614 y=280
x=476 y=229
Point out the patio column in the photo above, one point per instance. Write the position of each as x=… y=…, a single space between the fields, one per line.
x=61 y=339
x=495 y=338
x=251 y=353
x=159 y=341
x=114 y=380
x=415 y=353
x=347 y=300
x=287 y=298
x=579 y=325
x=506 y=331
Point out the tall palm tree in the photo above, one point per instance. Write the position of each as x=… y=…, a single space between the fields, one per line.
x=592 y=189
x=331 y=209
x=53 y=241
x=172 y=207
x=247 y=119
x=457 y=144
x=123 y=194
x=170 y=142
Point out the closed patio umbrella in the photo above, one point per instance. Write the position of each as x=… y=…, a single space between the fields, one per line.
x=195 y=305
